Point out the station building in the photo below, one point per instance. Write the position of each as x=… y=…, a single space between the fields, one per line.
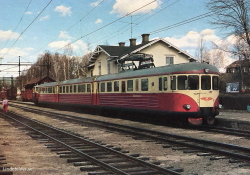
x=105 y=59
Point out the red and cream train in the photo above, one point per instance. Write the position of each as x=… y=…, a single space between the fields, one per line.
x=186 y=91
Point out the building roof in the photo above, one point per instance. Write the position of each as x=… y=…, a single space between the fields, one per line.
x=239 y=63
x=119 y=52
x=38 y=81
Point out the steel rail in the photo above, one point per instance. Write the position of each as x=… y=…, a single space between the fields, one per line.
x=162 y=136
x=96 y=161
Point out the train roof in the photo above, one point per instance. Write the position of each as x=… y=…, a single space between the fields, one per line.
x=184 y=68
x=71 y=81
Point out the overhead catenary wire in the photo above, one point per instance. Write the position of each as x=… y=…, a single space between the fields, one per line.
x=107 y=24
x=69 y=27
x=119 y=30
x=204 y=15
x=16 y=25
x=28 y=27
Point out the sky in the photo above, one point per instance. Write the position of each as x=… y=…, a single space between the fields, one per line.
x=29 y=28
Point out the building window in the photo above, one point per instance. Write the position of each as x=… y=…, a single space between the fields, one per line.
x=169 y=60
x=109 y=67
x=100 y=68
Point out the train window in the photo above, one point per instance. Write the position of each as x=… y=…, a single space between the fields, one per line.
x=81 y=88
x=88 y=88
x=67 y=89
x=49 y=90
x=53 y=89
x=116 y=86
x=130 y=85
x=182 y=82
x=173 y=82
x=123 y=86
x=71 y=89
x=215 y=83
x=64 y=89
x=102 y=88
x=144 y=84
x=137 y=85
x=60 y=89
x=160 y=84
x=109 y=86
x=205 y=82
x=165 y=83
x=75 y=88
x=193 y=82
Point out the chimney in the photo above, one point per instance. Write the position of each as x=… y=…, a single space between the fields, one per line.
x=145 y=38
x=121 y=43
x=132 y=42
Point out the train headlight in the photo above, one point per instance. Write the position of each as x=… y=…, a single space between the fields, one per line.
x=187 y=106
x=206 y=70
x=220 y=106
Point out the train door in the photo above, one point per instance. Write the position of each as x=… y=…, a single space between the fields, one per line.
x=194 y=87
x=206 y=92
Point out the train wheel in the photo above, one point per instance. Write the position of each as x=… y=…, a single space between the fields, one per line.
x=209 y=120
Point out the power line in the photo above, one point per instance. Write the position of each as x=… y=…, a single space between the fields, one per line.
x=126 y=29
x=69 y=27
x=107 y=24
x=28 y=27
x=17 y=25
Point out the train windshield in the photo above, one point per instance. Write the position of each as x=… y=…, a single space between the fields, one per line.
x=190 y=82
x=205 y=82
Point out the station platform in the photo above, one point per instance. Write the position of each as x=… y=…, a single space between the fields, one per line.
x=238 y=119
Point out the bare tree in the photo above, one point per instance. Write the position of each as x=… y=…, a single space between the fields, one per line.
x=218 y=57
x=202 y=52
x=241 y=49
x=232 y=15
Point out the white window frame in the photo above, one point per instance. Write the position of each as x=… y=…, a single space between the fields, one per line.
x=168 y=59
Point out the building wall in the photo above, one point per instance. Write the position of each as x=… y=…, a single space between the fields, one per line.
x=103 y=59
x=160 y=50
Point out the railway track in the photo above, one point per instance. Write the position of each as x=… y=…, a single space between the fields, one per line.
x=206 y=128
x=216 y=150
x=93 y=157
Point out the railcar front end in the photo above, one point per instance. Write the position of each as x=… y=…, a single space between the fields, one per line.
x=195 y=94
